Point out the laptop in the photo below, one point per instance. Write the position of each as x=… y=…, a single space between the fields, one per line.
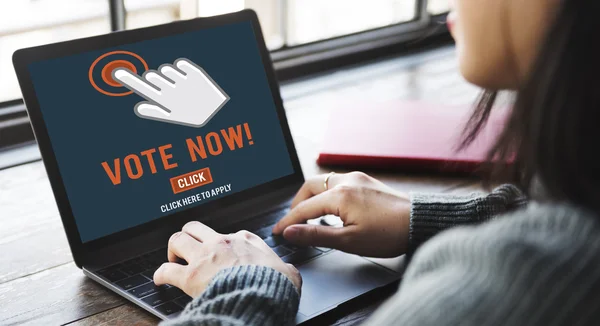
x=142 y=131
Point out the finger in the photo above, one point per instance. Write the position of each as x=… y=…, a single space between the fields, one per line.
x=188 y=67
x=199 y=231
x=297 y=281
x=315 y=186
x=169 y=273
x=171 y=73
x=158 y=80
x=136 y=84
x=182 y=245
x=194 y=72
x=316 y=235
x=148 y=110
x=317 y=206
x=249 y=236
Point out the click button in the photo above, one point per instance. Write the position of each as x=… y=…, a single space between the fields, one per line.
x=191 y=180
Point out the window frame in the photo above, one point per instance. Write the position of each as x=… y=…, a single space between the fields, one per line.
x=14 y=124
x=419 y=22
x=290 y=62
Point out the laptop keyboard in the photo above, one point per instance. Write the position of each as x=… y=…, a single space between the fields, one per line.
x=135 y=275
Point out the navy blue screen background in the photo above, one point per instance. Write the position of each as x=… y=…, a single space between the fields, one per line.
x=87 y=128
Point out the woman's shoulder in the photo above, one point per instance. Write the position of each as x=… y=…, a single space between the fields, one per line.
x=563 y=217
x=556 y=219
x=535 y=266
x=535 y=221
x=539 y=232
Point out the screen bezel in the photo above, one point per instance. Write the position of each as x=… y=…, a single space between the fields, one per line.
x=21 y=60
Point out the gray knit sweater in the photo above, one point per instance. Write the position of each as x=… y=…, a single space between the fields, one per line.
x=537 y=265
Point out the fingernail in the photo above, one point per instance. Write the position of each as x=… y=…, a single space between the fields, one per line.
x=292 y=231
x=174 y=236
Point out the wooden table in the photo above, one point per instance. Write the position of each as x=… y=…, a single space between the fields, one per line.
x=40 y=285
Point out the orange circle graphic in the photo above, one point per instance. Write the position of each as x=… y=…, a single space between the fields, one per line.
x=115 y=64
x=109 y=67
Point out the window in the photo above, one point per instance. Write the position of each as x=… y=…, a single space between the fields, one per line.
x=340 y=17
x=285 y=22
x=436 y=7
x=304 y=36
x=34 y=22
x=142 y=13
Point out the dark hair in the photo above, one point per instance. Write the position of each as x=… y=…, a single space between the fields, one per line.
x=554 y=126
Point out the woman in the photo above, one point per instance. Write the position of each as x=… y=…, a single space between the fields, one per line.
x=526 y=265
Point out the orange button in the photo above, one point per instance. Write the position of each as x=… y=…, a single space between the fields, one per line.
x=191 y=180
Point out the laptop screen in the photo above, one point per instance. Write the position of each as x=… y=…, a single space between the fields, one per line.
x=152 y=128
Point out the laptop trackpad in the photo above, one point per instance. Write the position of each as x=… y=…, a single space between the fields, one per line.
x=336 y=278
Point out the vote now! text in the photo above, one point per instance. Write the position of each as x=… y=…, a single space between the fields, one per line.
x=160 y=158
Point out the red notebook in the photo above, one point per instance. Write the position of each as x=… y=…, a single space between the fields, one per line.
x=405 y=135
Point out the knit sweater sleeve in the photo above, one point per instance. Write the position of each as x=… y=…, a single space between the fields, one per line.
x=536 y=266
x=433 y=213
x=243 y=295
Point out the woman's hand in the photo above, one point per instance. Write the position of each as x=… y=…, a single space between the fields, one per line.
x=376 y=218
x=208 y=252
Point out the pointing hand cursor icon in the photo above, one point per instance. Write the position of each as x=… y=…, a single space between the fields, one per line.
x=181 y=93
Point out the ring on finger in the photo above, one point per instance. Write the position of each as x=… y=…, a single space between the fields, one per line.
x=326 y=181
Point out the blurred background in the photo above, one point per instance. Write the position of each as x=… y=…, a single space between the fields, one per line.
x=306 y=39
x=287 y=24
